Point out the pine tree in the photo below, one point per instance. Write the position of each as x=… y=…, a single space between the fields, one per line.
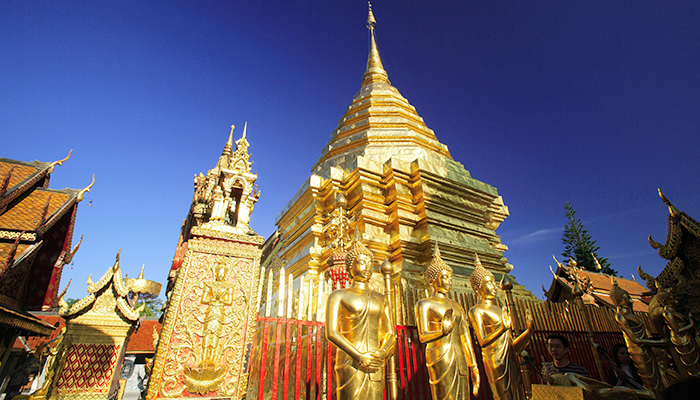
x=579 y=245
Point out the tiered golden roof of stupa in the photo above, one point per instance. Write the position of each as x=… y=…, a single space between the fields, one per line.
x=379 y=123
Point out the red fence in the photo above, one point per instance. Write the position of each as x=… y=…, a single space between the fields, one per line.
x=293 y=360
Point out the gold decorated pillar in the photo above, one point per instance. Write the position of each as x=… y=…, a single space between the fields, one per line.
x=209 y=321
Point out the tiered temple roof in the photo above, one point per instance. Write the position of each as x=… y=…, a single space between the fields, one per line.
x=36 y=230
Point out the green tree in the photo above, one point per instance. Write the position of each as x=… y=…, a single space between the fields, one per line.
x=579 y=245
x=153 y=307
x=70 y=302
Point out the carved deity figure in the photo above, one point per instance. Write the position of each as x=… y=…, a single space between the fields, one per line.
x=217 y=295
x=443 y=328
x=637 y=339
x=493 y=329
x=358 y=322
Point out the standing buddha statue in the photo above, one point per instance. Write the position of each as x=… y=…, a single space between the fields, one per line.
x=443 y=328
x=358 y=322
x=493 y=329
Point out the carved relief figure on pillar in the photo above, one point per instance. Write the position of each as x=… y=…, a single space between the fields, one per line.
x=217 y=295
x=499 y=350
x=443 y=328
x=358 y=322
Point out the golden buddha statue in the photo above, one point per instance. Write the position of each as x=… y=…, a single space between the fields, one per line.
x=443 y=328
x=637 y=338
x=499 y=350
x=358 y=322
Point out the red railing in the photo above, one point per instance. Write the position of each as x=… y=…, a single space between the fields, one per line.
x=293 y=360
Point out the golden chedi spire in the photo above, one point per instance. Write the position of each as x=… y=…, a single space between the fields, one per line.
x=375 y=70
x=380 y=123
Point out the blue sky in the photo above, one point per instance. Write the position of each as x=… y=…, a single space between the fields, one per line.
x=595 y=103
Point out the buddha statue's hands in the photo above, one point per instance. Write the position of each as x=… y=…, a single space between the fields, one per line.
x=507 y=321
x=476 y=380
x=372 y=360
x=448 y=322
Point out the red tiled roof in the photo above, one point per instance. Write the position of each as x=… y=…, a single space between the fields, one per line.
x=25 y=215
x=140 y=342
x=6 y=248
x=601 y=283
x=19 y=173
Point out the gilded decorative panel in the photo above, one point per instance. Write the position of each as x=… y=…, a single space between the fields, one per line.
x=209 y=321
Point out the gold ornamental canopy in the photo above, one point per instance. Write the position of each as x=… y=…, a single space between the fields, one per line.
x=143 y=288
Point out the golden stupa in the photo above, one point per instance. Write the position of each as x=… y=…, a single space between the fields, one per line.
x=404 y=192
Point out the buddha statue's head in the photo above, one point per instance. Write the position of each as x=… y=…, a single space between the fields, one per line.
x=438 y=274
x=358 y=262
x=482 y=281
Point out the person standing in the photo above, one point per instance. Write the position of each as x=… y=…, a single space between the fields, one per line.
x=558 y=348
x=624 y=372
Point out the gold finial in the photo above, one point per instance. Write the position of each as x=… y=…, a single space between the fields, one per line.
x=141 y=273
x=371 y=22
x=560 y=265
x=59 y=162
x=229 y=143
x=671 y=209
x=81 y=194
x=616 y=293
x=245 y=128
x=375 y=72
x=71 y=254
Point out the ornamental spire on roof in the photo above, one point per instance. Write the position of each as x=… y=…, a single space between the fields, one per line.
x=375 y=70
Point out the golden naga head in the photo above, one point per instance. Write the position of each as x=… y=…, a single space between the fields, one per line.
x=617 y=294
x=356 y=250
x=436 y=266
x=476 y=279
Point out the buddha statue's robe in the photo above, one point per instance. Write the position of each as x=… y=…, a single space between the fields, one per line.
x=500 y=357
x=364 y=323
x=449 y=357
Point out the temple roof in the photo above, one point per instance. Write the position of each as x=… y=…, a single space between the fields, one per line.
x=379 y=123
x=598 y=290
x=26 y=214
x=27 y=207
x=140 y=341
